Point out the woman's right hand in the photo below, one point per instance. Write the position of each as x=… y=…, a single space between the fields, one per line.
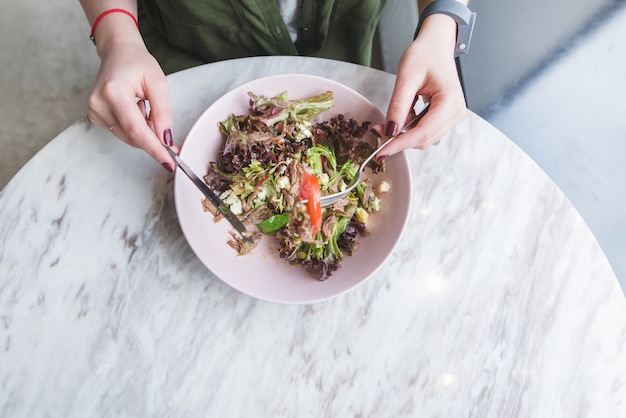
x=128 y=77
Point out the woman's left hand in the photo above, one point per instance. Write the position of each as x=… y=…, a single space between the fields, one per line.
x=427 y=68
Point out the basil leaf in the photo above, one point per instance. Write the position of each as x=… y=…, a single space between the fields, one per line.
x=273 y=223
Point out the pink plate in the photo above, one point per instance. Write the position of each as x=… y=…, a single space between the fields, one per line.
x=263 y=274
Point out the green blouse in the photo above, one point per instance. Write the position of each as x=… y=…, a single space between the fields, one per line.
x=185 y=33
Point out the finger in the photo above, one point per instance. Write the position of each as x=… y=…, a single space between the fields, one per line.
x=148 y=116
x=103 y=118
x=378 y=129
x=146 y=113
x=402 y=99
x=138 y=117
x=430 y=129
x=105 y=121
x=160 y=110
x=141 y=104
x=135 y=130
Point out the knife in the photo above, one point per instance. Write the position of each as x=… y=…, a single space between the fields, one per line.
x=213 y=198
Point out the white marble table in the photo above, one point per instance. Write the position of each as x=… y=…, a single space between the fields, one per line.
x=497 y=303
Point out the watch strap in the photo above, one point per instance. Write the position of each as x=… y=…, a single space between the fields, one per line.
x=463 y=16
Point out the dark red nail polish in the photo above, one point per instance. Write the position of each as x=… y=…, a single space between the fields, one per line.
x=381 y=157
x=167 y=137
x=390 y=129
x=375 y=133
x=168 y=167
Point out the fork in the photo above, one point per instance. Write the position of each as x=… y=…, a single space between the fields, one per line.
x=332 y=198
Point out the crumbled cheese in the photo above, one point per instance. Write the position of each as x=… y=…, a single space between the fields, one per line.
x=374 y=204
x=383 y=187
x=283 y=182
x=323 y=179
x=302 y=131
x=233 y=202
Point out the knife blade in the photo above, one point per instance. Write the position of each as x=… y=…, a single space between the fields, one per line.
x=213 y=198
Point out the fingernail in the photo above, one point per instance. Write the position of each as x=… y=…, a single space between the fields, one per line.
x=167 y=137
x=168 y=167
x=375 y=133
x=381 y=157
x=390 y=129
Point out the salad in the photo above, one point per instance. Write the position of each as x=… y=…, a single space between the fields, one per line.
x=276 y=163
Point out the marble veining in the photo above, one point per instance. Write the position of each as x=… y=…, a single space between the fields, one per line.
x=497 y=303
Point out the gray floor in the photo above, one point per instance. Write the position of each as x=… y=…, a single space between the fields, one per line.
x=570 y=117
x=48 y=65
x=567 y=112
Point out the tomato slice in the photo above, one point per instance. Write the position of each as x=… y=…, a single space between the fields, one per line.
x=310 y=190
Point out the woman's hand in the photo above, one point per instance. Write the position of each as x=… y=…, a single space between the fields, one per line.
x=427 y=68
x=128 y=77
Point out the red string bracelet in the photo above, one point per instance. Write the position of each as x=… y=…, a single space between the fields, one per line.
x=106 y=13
